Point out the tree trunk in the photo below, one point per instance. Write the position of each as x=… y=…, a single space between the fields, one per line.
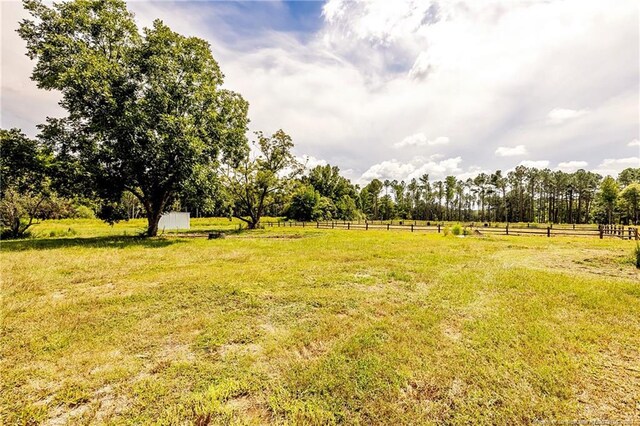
x=153 y=218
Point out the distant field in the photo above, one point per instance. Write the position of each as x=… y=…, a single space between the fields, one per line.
x=308 y=326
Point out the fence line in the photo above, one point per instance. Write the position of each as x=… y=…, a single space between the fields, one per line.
x=602 y=231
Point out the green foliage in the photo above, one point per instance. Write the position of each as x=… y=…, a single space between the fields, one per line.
x=637 y=255
x=628 y=176
x=144 y=109
x=84 y=212
x=304 y=204
x=608 y=196
x=456 y=229
x=25 y=188
x=253 y=183
x=629 y=202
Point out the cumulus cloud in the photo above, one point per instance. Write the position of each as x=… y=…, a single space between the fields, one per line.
x=310 y=161
x=504 y=151
x=572 y=166
x=561 y=115
x=420 y=139
x=466 y=69
x=634 y=142
x=613 y=166
x=395 y=169
x=538 y=164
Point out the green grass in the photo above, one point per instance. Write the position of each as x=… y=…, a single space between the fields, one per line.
x=307 y=326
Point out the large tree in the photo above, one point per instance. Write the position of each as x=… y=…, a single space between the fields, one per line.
x=144 y=108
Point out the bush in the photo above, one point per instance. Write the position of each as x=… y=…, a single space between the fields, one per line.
x=62 y=233
x=446 y=231
x=84 y=212
x=456 y=229
x=637 y=255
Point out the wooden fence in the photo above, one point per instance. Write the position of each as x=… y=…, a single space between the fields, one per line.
x=602 y=231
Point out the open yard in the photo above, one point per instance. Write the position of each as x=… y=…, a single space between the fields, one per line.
x=307 y=326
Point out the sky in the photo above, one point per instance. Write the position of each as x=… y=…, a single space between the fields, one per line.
x=396 y=89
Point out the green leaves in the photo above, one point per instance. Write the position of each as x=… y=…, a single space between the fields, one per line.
x=145 y=108
x=252 y=184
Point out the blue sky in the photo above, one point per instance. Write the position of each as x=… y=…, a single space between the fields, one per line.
x=395 y=89
x=245 y=20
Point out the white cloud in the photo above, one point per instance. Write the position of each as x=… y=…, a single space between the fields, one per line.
x=613 y=166
x=420 y=139
x=504 y=151
x=571 y=166
x=310 y=161
x=621 y=162
x=538 y=164
x=466 y=69
x=561 y=115
x=395 y=169
x=634 y=142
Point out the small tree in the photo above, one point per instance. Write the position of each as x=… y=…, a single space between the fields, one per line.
x=630 y=202
x=24 y=184
x=304 y=204
x=253 y=183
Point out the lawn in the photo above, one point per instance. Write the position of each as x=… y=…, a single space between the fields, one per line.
x=307 y=326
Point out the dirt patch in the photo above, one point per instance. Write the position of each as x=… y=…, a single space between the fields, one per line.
x=610 y=389
x=249 y=409
x=65 y=415
x=234 y=349
x=109 y=404
x=609 y=263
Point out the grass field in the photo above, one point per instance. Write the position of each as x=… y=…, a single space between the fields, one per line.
x=306 y=326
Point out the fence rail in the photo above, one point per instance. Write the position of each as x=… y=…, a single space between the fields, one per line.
x=602 y=231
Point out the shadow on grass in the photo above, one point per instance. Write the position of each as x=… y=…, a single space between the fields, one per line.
x=91 y=242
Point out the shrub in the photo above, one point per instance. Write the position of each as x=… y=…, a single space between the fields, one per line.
x=63 y=233
x=456 y=229
x=84 y=212
x=446 y=231
x=638 y=255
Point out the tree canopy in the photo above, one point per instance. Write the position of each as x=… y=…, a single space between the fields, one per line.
x=144 y=108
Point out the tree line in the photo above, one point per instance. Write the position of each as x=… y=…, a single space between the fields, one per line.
x=149 y=128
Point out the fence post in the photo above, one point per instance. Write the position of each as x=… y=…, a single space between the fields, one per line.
x=387 y=226
x=317 y=224
x=507 y=228
x=601 y=229
x=629 y=232
x=332 y=225
x=438 y=228
x=548 y=231
x=411 y=227
x=637 y=237
x=348 y=225
x=366 y=226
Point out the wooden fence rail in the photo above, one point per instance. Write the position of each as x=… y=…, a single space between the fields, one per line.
x=602 y=231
